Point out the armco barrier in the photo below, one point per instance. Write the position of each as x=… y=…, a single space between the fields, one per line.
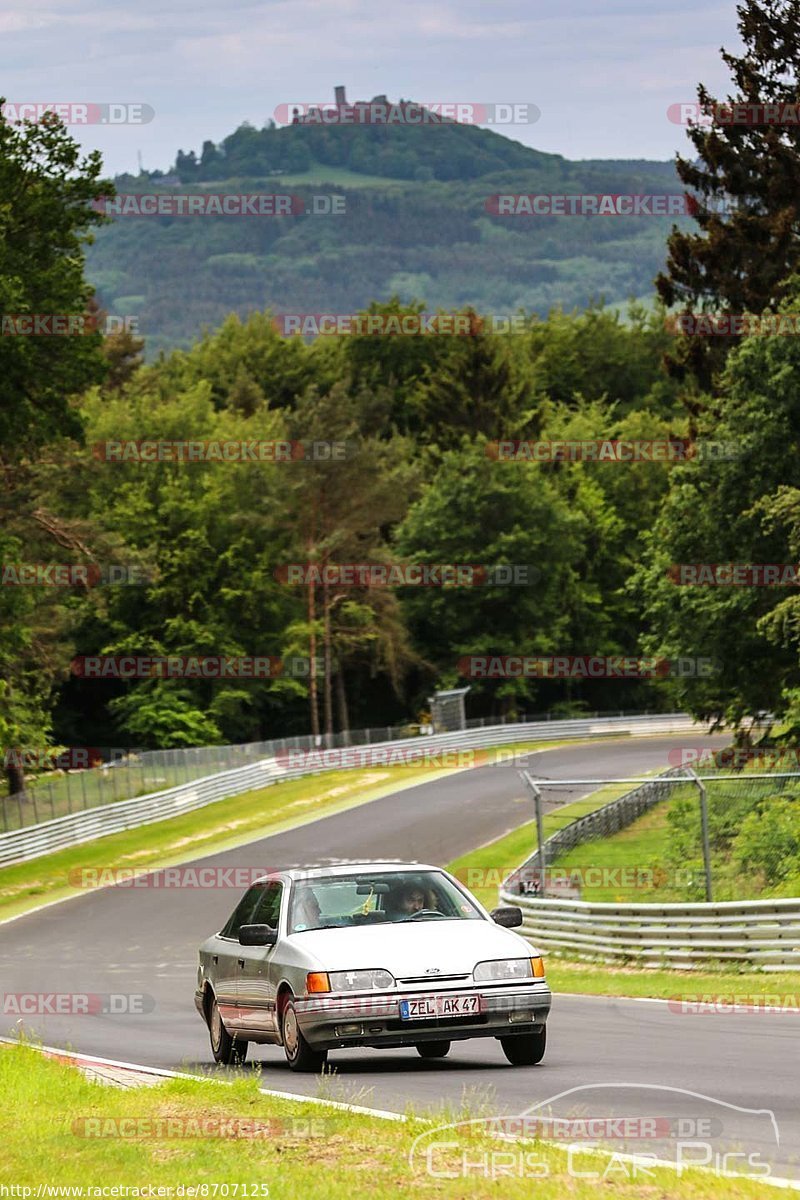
x=758 y=933
x=19 y=845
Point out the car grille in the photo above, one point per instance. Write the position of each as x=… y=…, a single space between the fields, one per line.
x=433 y=980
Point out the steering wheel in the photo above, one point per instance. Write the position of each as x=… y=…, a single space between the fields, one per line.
x=427 y=912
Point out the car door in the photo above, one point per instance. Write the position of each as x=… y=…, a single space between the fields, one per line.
x=256 y=988
x=226 y=958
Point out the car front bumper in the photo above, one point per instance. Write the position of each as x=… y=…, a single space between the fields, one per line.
x=330 y=1022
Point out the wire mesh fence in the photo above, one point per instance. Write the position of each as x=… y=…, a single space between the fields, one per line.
x=123 y=774
x=748 y=819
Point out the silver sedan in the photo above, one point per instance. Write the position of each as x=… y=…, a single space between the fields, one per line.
x=369 y=954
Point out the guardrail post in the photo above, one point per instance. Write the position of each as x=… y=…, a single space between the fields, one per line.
x=704 y=828
x=537 y=800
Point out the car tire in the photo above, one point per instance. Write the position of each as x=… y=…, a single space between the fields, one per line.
x=299 y=1055
x=227 y=1050
x=525 y=1049
x=433 y=1049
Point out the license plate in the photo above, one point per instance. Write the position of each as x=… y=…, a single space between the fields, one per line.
x=440 y=1006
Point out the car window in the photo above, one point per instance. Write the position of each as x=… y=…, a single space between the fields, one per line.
x=243 y=911
x=368 y=899
x=268 y=907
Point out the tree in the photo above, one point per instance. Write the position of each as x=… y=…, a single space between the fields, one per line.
x=339 y=511
x=46 y=214
x=481 y=388
x=744 y=175
x=734 y=510
x=484 y=512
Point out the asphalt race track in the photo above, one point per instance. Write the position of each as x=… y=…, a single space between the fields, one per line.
x=697 y=1068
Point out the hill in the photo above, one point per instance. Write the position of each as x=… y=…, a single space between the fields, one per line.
x=416 y=224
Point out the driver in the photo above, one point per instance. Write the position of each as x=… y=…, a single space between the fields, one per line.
x=407 y=900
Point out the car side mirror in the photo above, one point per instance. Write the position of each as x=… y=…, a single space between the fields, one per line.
x=257 y=935
x=509 y=917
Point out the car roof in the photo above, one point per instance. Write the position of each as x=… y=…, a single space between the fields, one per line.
x=326 y=871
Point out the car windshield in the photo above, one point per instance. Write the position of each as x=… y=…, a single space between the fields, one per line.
x=341 y=901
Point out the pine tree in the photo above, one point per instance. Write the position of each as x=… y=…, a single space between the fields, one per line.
x=746 y=180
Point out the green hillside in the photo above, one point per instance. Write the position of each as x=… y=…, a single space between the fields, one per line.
x=403 y=232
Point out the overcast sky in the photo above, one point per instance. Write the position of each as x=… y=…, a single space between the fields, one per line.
x=602 y=74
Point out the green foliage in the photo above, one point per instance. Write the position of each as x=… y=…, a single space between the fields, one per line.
x=734 y=510
x=193 y=272
x=769 y=840
x=165 y=717
x=46 y=190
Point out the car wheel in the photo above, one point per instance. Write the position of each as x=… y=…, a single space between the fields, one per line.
x=433 y=1049
x=299 y=1055
x=226 y=1049
x=525 y=1049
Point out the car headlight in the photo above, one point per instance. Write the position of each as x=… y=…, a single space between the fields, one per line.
x=360 y=981
x=503 y=968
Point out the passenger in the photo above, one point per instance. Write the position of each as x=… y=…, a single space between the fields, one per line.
x=306 y=912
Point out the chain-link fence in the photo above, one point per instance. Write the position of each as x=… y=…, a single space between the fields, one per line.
x=126 y=774
x=731 y=834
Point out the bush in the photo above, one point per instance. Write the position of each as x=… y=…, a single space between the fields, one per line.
x=769 y=840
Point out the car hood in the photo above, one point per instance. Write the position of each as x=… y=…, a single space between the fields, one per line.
x=454 y=947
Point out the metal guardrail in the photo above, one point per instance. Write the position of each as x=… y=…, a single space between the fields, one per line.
x=758 y=933
x=19 y=845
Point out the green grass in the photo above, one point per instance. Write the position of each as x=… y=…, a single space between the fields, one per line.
x=639 y=868
x=484 y=869
x=220 y=826
x=290 y=1150
x=597 y=979
x=634 y=854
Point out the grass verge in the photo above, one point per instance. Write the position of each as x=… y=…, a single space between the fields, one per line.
x=67 y=1131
